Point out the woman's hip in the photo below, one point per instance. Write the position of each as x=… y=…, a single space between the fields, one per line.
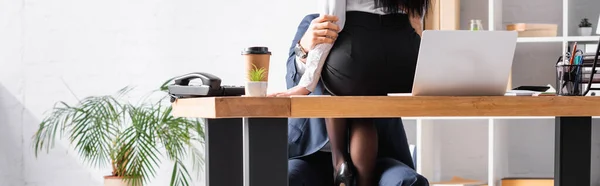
x=378 y=56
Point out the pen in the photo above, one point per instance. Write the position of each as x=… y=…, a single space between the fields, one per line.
x=573 y=53
x=576 y=79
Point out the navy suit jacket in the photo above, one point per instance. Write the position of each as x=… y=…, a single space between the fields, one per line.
x=308 y=135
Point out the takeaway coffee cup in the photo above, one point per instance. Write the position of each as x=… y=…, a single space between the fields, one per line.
x=257 y=61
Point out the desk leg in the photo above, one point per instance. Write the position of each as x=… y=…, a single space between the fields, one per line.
x=265 y=152
x=572 y=151
x=223 y=152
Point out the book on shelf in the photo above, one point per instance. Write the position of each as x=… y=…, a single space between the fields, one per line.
x=458 y=181
x=527 y=182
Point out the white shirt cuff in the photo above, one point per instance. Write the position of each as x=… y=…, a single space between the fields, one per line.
x=300 y=67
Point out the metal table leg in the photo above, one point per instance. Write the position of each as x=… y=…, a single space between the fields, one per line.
x=223 y=149
x=572 y=151
x=265 y=152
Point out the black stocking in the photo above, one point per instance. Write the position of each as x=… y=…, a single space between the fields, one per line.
x=363 y=146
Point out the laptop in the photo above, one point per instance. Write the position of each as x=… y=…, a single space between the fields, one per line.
x=464 y=63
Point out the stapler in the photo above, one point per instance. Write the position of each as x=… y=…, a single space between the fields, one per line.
x=209 y=85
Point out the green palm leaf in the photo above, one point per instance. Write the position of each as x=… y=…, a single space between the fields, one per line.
x=106 y=131
x=180 y=137
x=91 y=126
x=140 y=155
x=180 y=175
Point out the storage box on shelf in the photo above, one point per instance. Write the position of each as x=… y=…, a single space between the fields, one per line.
x=534 y=30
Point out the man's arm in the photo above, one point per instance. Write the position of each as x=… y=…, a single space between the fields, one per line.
x=293 y=73
x=318 y=54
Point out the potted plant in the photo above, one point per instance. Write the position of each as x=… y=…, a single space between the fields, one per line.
x=256 y=86
x=131 y=139
x=585 y=27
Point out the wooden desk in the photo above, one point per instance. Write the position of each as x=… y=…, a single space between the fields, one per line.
x=246 y=138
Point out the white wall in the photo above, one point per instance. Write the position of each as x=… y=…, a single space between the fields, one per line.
x=96 y=47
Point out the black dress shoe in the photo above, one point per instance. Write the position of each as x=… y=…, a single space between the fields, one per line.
x=344 y=175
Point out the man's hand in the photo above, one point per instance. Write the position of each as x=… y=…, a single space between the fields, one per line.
x=297 y=90
x=321 y=30
x=415 y=22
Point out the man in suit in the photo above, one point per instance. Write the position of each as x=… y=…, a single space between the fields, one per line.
x=310 y=161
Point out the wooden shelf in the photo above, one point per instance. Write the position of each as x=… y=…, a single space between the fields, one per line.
x=583 y=38
x=540 y=39
x=558 y=39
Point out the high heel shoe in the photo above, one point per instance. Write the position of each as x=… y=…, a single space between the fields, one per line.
x=344 y=175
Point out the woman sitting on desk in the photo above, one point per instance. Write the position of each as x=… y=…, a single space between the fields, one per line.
x=375 y=54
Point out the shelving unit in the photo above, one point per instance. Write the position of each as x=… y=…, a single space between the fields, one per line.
x=426 y=138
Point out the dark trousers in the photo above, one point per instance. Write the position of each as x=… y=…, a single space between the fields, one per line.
x=317 y=170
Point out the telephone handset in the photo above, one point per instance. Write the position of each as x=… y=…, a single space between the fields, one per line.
x=209 y=86
x=210 y=80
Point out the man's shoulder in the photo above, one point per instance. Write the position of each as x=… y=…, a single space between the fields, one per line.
x=310 y=17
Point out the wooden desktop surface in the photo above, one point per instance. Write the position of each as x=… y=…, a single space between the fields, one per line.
x=386 y=106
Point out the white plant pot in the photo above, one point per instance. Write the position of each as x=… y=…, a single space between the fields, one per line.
x=585 y=31
x=256 y=88
x=114 y=181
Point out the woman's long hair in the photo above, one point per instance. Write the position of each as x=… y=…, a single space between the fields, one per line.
x=410 y=7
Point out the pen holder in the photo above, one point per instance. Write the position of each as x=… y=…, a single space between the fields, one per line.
x=569 y=80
